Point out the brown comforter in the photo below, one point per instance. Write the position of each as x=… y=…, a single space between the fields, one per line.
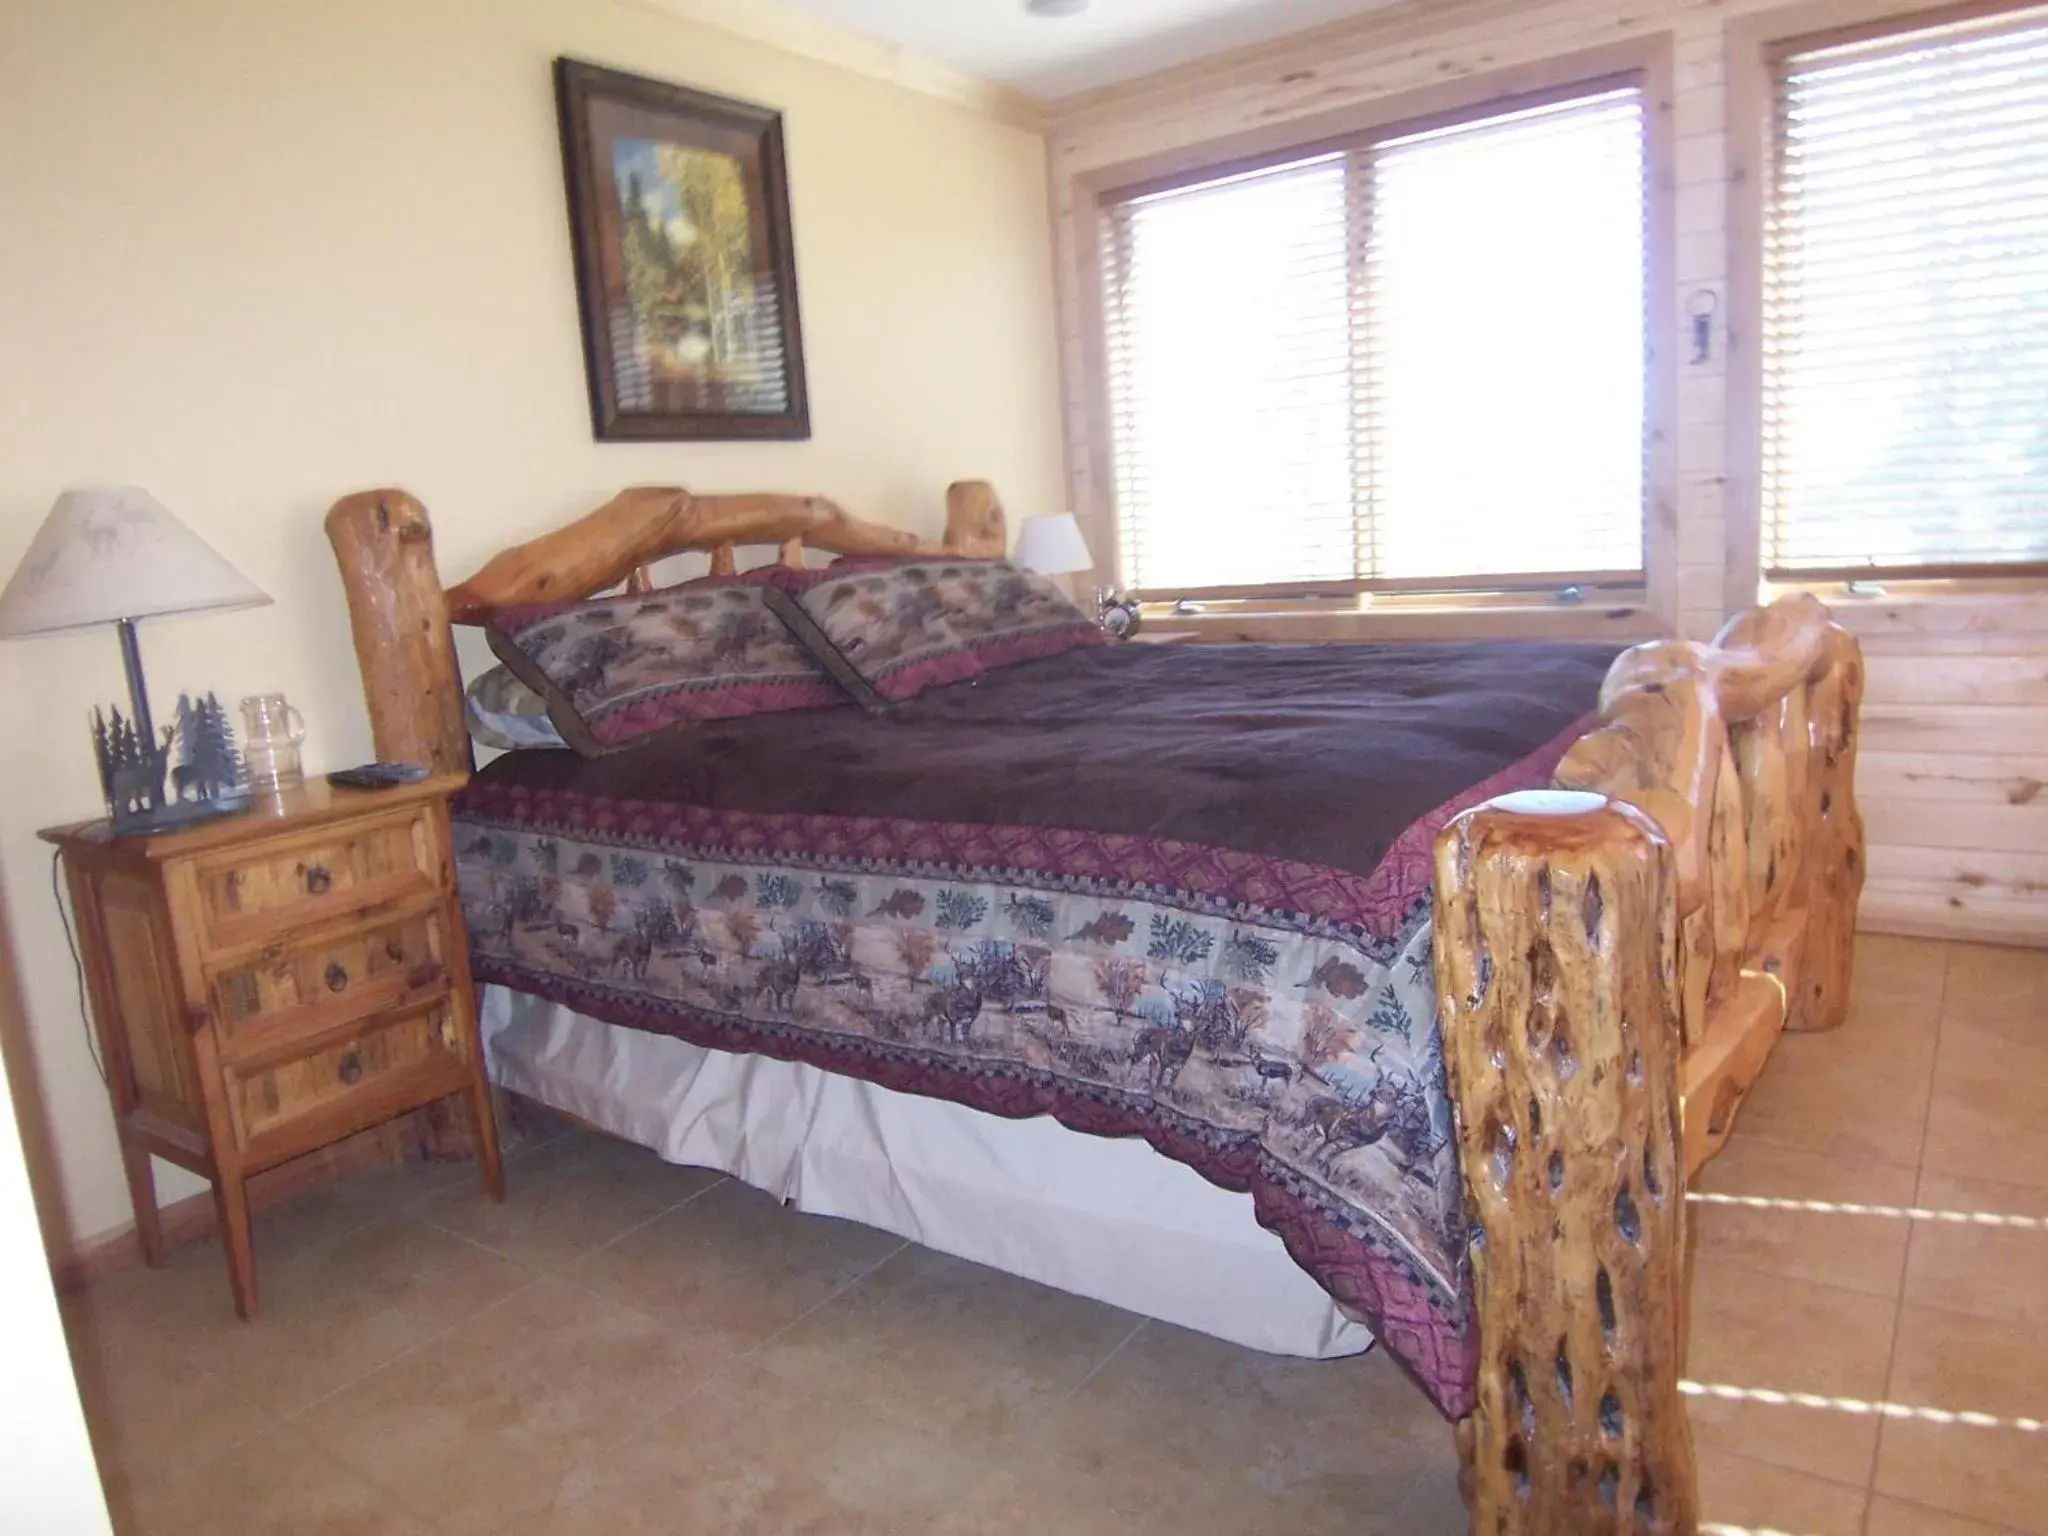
x=1316 y=752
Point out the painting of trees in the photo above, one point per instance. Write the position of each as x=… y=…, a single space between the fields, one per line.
x=1119 y=981
x=699 y=305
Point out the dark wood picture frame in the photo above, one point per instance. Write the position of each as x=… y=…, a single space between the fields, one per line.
x=667 y=388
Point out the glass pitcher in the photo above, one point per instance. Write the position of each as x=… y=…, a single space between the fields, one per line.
x=271 y=734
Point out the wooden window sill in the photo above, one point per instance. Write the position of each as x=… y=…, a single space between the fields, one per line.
x=1626 y=622
x=1983 y=608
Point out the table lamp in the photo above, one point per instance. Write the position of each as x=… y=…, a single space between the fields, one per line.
x=1053 y=546
x=115 y=555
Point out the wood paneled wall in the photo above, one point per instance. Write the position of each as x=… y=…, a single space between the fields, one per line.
x=1956 y=721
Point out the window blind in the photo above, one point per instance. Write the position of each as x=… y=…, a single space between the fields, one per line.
x=1905 y=325
x=1416 y=361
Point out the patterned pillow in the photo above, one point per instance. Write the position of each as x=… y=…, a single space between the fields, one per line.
x=504 y=713
x=614 y=670
x=888 y=630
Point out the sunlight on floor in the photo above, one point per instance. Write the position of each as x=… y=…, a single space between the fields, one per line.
x=1857 y=1405
x=1847 y=1208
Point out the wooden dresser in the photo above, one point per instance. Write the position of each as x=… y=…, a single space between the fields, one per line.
x=271 y=982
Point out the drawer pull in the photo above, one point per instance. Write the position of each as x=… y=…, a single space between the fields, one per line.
x=350 y=1068
x=318 y=880
x=393 y=950
x=337 y=977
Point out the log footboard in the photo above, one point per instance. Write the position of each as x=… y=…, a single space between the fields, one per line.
x=1614 y=960
x=1556 y=967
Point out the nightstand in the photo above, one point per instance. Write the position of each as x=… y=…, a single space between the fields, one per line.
x=270 y=982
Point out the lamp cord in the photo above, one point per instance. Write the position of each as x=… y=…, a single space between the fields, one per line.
x=77 y=965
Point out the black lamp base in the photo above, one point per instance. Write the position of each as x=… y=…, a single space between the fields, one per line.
x=176 y=816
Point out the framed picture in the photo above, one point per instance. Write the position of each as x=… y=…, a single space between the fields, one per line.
x=679 y=213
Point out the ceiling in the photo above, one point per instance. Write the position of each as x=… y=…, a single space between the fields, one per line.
x=1049 y=57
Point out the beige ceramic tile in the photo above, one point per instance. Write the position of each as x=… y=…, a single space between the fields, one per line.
x=1857 y=1252
x=749 y=1453
x=1855 y=1111
x=334 y=1314
x=1892 y=960
x=394 y=1189
x=193 y=1285
x=733 y=1266
x=1434 y=1506
x=1894 y=1517
x=1754 y=1331
x=1989 y=1128
x=481 y=1420
x=1179 y=1422
x=1993 y=1027
x=568 y=1198
x=148 y=1405
x=1755 y=1496
x=970 y=1347
x=278 y=1485
x=1996 y=973
x=1951 y=1364
x=1993 y=1266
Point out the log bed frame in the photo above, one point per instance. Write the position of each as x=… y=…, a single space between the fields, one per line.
x=1614 y=958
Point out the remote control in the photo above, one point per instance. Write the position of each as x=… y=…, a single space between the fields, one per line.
x=377 y=775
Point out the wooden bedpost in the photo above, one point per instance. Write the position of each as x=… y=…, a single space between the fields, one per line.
x=384 y=544
x=975 y=522
x=1556 y=972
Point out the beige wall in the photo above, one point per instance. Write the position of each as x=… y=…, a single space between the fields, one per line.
x=257 y=253
x=1956 y=733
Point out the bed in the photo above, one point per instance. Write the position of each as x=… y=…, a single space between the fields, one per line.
x=1454 y=959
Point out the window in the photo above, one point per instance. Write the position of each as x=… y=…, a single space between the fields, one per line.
x=1416 y=361
x=1905 y=303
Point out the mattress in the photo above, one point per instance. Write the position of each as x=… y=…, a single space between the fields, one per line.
x=1102 y=1218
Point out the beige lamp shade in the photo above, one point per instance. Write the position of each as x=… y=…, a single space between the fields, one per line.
x=110 y=553
x=1053 y=545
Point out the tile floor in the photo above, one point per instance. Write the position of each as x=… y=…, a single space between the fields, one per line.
x=630 y=1347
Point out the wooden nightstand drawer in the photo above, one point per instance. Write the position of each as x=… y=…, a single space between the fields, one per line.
x=365 y=1077
x=293 y=988
x=250 y=892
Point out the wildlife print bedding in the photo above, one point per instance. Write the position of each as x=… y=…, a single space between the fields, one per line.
x=1180 y=893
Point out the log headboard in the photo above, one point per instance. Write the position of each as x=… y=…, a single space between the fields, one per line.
x=401 y=615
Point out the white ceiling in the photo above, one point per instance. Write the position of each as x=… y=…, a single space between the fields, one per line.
x=1057 y=56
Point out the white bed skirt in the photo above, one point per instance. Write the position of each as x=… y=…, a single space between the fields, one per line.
x=1101 y=1217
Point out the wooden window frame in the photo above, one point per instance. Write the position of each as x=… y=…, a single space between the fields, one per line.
x=1632 y=611
x=1755 y=45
